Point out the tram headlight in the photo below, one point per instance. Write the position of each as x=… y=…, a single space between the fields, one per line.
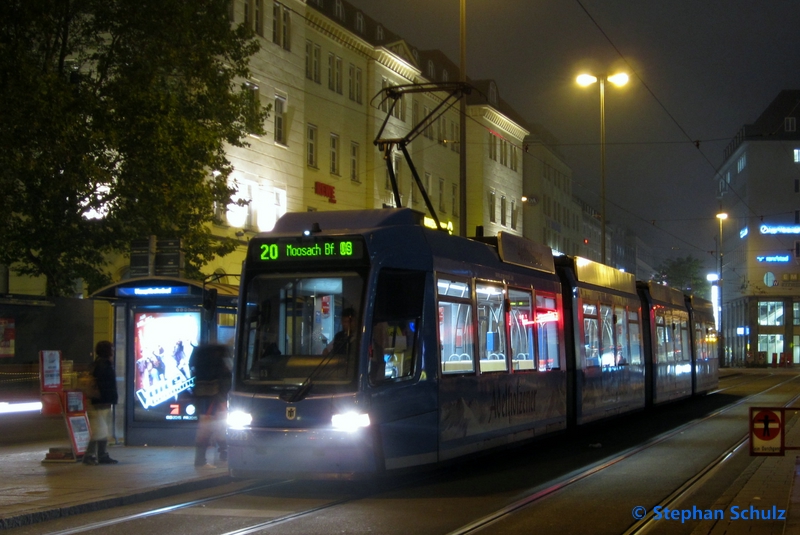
x=239 y=419
x=350 y=421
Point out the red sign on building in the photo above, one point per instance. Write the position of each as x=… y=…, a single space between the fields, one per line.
x=326 y=190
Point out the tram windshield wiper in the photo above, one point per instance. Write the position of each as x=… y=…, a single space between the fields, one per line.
x=296 y=394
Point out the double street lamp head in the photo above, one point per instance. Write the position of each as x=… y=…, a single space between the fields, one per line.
x=618 y=79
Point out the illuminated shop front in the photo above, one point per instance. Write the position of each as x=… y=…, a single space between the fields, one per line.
x=158 y=321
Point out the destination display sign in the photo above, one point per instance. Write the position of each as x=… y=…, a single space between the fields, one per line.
x=311 y=249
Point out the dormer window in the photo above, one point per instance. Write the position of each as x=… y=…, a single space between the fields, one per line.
x=379 y=33
x=360 y=22
x=493 y=94
x=444 y=75
x=790 y=124
x=339 y=8
x=431 y=70
x=416 y=56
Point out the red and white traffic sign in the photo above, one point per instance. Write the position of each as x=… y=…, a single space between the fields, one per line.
x=766 y=431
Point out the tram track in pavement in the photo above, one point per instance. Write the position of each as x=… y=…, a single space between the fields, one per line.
x=530 y=497
x=540 y=493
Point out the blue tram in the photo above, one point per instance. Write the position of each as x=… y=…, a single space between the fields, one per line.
x=455 y=346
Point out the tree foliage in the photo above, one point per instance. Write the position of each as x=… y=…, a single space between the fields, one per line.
x=685 y=273
x=119 y=108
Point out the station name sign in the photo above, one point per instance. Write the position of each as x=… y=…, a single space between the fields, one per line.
x=313 y=249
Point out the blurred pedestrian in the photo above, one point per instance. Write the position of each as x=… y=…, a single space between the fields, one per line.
x=212 y=382
x=100 y=405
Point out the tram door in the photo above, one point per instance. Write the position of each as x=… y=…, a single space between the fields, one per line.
x=401 y=397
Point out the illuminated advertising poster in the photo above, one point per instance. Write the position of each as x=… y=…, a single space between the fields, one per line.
x=7 y=337
x=163 y=344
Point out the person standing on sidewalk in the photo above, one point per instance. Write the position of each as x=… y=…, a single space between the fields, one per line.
x=100 y=406
x=212 y=381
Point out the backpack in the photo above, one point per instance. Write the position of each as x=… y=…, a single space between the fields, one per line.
x=87 y=383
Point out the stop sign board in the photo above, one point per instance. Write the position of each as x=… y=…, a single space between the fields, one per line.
x=766 y=431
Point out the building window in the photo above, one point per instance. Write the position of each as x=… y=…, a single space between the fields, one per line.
x=431 y=70
x=790 y=124
x=254 y=105
x=339 y=10
x=358 y=85
x=514 y=215
x=335 y=73
x=454 y=198
x=258 y=17
x=454 y=137
x=441 y=195
x=513 y=158
x=445 y=76
x=796 y=155
x=354 y=150
x=334 y=154
x=492 y=147
x=248 y=13
x=331 y=75
x=312 y=61
x=428 y=133
x=503 y=152
x=503 y=210
x=492 y=207
x=351 y=82
x=427 y=183
x=379 y=33
x=280 y=120
x=742 y=163
x=281 y=24
x=770 y=313
x=311 y=145
x=360 y=22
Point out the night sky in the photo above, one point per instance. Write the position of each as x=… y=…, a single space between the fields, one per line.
x=700 y=70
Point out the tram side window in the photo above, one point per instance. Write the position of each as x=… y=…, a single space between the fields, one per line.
x=686 y=351
x=455 y=326
x=491 y=327
x=623 y=348
x=547 y=321
x=396 y=321
x=591 y=336
x=635 y=331
x=521 y=327
x=608 y=350
x=665 y=338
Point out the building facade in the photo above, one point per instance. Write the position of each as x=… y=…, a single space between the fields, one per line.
x=759 y=189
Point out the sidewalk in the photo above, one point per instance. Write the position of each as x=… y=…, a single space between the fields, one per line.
x=32 y=491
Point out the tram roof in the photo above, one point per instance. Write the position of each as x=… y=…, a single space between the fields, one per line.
x=347 y=220
x=665 y=294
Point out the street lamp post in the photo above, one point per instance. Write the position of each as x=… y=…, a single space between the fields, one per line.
x=722 y=216
x=619 y=80
x=462 y=146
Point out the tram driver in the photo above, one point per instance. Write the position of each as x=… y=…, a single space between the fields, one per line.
x=344 y=342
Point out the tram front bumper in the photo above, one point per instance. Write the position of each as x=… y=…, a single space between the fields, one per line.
x=304 y=453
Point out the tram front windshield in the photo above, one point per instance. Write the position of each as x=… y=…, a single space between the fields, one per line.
x=301 y=331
